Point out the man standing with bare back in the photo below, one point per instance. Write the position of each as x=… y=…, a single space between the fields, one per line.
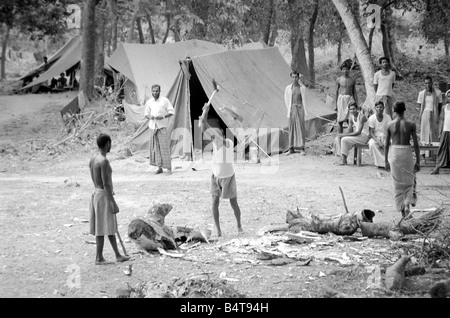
x=399 y=159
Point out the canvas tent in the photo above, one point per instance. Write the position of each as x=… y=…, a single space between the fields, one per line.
x=69 y=60
x=50 y=61
x=146 y=64
x=251 y=96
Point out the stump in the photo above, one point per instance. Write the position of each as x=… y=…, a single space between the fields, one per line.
x=149 y=232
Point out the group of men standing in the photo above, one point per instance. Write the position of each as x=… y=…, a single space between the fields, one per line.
x=387 y=132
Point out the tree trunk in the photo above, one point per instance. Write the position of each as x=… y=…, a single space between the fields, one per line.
x=312 y=24
x=130 y=30
x=88 y=49
x=114 y=21
x=372 y=31
x=446 y=46
x=100 y=44
x=274 y=30
x=139 y=27
x=267 y=23
x=339 y=51
x=166 y=35
x=4 y=46
x=353 y=27
x=148 y=16
x=298 y=62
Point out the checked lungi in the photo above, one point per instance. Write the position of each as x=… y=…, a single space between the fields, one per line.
x=297 y=127
x=160 y=148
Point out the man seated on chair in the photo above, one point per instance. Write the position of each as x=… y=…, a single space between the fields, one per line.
x=377 y=134
x=358 y=133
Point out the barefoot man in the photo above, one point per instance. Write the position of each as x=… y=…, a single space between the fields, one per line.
x=223 y=181
x=399 y=159
x=345 y=91
x=103 y=207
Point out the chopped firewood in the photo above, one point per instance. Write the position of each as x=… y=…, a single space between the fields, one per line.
x=299 y=238
x=395 y=274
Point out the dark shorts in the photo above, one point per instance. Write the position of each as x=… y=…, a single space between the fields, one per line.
x=223 y=187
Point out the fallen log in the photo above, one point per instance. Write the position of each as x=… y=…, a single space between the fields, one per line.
x=395 y=274
x=409 y=225
x=346 y=224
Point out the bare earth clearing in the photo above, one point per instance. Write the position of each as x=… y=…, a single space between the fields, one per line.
x=45 y=250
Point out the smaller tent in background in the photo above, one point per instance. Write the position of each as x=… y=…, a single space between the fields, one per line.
x=250 y=98
x=68 y=63
x=50 y=61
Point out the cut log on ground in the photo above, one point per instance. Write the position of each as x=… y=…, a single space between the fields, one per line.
x=346 y=224
x=395 y=274
x=409 y=225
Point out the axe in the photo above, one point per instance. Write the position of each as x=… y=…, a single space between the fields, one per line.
x=216 y=89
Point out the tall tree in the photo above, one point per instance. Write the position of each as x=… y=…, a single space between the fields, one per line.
x=311 y=56
x=351 y=22
x=88 y=49
x=100 y=16
x=36 y=18
x=435 y=24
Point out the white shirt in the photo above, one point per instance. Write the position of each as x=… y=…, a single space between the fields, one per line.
x=379 y=128
x=446 y=126
x=288 y=98
x=384 y=83
x=159 y=107
x=429 y=99
x=222 y=163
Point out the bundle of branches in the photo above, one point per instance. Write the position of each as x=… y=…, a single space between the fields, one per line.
x=422 y=225
x=436 y=246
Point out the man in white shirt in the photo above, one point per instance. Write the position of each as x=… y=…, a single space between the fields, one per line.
x=294 y=99
x=158 y=109
x=430 y=101
x=223 y=181
x=384 y=81
x=377 y=134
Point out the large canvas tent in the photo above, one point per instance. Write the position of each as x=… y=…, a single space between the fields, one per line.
x=251 y=96
x=146 y=64
x=69 y=60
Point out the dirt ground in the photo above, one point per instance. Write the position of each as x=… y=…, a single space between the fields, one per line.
x=46 y=251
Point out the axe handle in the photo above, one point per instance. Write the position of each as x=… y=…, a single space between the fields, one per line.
x=204 y=107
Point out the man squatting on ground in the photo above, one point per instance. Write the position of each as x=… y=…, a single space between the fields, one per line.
x=345 y=91
x=223 y=180
x=443 y=156
x=158 y=109
x=103 y=208
x=294 y=98
x=377 y=133
x=399 y=159
x=384 y=81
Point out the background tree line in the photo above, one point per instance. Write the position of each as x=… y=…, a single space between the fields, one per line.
x=308 y=23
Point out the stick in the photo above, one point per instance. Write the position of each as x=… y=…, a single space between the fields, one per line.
x=120 y=239
x=343 y=199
